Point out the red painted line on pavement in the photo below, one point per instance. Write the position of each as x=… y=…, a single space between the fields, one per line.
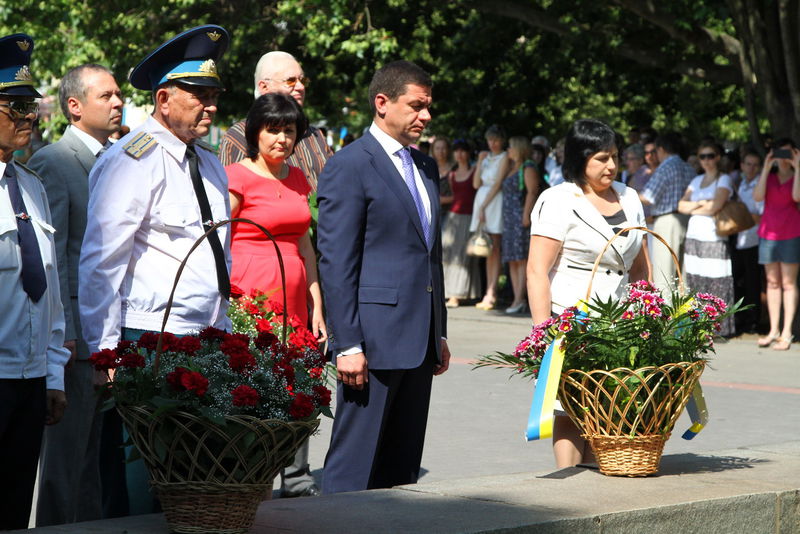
x=751 y=387
x=706 y=383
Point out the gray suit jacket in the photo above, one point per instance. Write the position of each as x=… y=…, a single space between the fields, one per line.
x=64 y=167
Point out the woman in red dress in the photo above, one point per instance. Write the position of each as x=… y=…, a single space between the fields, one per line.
x=266 y=190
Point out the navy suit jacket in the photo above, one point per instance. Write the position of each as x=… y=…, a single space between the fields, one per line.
x=383 y=285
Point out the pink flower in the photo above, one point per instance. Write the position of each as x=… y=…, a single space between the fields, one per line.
x=644 y=334
x=653 y=311
x=627 y=315
x=566 y=326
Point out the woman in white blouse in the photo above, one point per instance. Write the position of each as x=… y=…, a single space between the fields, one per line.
x=570 y=225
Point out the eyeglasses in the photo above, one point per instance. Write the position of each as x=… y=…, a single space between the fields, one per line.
x=292 y=81
x=19 y=109
x=650 y=152
x=707 y=155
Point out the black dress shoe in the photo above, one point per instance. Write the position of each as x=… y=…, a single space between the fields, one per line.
x=310 y=491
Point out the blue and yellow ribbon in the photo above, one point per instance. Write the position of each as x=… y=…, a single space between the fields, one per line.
x=540 y=419
x=698 y=413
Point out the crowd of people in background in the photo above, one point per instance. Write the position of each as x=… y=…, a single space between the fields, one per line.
x=491 y=186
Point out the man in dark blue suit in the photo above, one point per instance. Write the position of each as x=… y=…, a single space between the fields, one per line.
x=381 y=270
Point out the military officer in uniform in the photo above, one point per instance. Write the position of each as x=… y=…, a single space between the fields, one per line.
x=32 y=353
x=151 y=196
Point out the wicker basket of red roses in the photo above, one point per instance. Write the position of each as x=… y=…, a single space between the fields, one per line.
x=215 y=416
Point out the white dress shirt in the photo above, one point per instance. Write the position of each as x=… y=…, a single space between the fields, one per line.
x=91 y=143
x=143 y=217
x=749 y=238
x=31 y=333
x=390 y=145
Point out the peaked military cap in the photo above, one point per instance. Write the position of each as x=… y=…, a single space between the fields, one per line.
x=15 y=56
x=189 y=58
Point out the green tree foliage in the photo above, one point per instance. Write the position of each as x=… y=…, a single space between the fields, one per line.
x=532 y=66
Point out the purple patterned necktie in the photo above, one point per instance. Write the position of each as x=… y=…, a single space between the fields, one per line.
x=411 y=183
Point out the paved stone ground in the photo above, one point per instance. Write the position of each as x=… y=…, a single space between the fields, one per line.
x=478 y=417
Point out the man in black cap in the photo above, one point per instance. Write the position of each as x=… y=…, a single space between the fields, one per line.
x=32 y=353
x=151 y=196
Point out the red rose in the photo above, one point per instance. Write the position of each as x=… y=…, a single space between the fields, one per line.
x=302 y=337
x=302 y=406
x=323 y=395
x=169 y=342
x=194 y=381
x=275 y=306
x=315 y=372
x=174 y=378
x=295 y=322
x=236 y=291
x=265 y=340
x=132 y=359
x=189 y=344
x=104 y=360
x=124 y=346
x=241 y=361
x=245 y=396
x=234 y=343
x=263 y=325
x=148 y=340
x=211 y=334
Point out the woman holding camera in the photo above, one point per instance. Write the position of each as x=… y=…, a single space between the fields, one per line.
x=779 y=247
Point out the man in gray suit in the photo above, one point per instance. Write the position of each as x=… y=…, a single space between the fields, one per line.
x=69 y=477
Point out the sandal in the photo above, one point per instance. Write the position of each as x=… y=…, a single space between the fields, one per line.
x=768 y=340
x=484 y=305
x=783 y=343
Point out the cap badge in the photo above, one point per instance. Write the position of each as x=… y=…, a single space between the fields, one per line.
x=208 y=66
x=24 y=45
x=23 y=74
x=214 y=36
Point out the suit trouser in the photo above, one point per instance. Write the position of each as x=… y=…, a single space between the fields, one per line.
x=379 y=432
x=672 y=227
x=69 y=470
x=23 y=406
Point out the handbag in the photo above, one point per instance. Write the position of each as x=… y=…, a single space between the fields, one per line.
x=479 y=243
x=733 y=217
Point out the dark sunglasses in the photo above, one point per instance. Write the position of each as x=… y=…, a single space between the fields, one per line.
x=707 y=155
x=19 y=109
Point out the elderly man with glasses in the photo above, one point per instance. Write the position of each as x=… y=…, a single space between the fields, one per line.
x=32 y=353
x=279 y=72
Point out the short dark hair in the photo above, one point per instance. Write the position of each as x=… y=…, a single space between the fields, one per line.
x=272 y=109
x=783 y=141
x=392 y=79
x=585 y=138
x=72 y=85
x=460 y=144
x=750 y=151
x=671 y=142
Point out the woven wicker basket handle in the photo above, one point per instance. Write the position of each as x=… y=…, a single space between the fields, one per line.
x=178 y=274
x=643 y=229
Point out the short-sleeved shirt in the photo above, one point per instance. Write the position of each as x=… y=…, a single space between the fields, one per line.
x=749 y=238
x=703 y=227
x=563 y=213
x=666 y=187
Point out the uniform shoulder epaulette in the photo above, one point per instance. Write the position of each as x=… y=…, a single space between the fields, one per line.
x=204 y=145
x=140 y=145
x=28 y=169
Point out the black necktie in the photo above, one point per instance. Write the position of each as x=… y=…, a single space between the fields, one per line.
x=223 y=281
x=33 y=279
